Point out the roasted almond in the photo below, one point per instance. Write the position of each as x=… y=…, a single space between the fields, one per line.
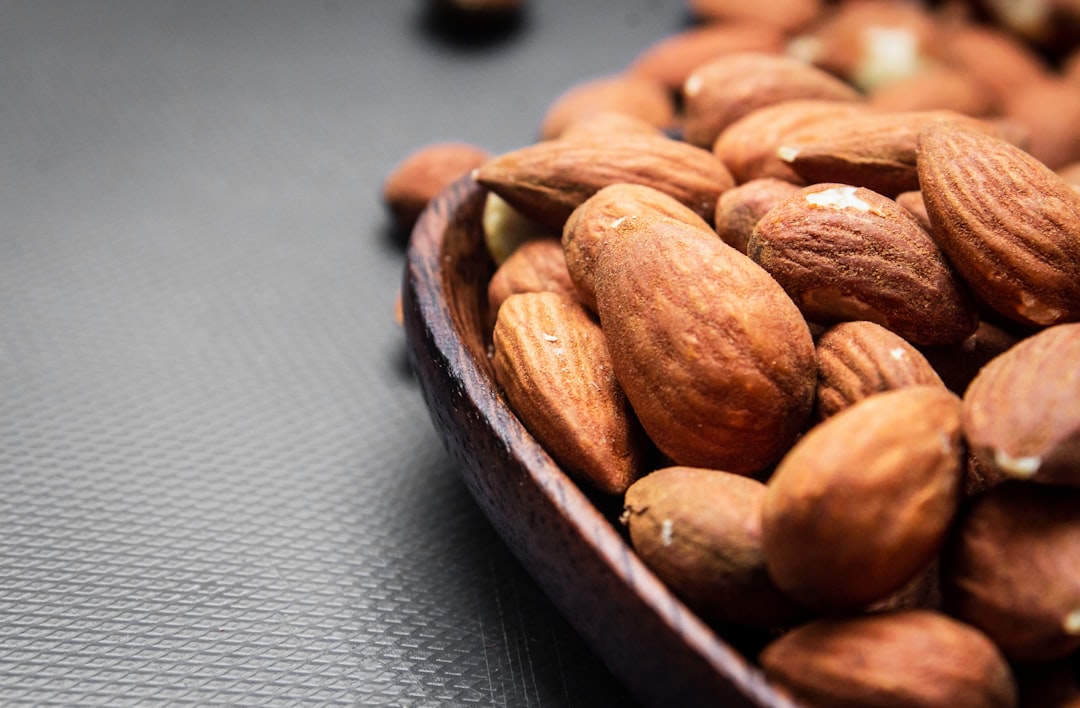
x=848 y=253
x=552 y=363
x=863 y=502
x=538 y=265
x=627 y=94
x=548 y=180
x=1022 y=411
x=725 y=89
x=1006 y=221
x=740 y=208
x=716 y=360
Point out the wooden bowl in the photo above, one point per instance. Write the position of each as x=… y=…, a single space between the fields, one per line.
x=569 y=542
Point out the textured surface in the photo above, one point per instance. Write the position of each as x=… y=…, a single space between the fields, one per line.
x=218 y=482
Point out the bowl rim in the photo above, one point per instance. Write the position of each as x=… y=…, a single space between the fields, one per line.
x=437 y=350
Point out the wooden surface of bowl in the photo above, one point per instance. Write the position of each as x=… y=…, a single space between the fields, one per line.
x=571 y=546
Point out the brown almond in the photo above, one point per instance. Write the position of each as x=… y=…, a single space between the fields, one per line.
x=713 y=355
x=1050 y=110
x=848 y=253
x=1011 y=569
x=725 y=89
x=551 y=362
x=548 y=180
x=672 y=59
x=863 y=502
x=699 y=530
x=861 y=358
x=605 y=123
x=598 y=220
x=425 y=172
x=935 y=87
x=876 y=151
x=538 y=265
x=787 y=15
x=1022 y=411
x=992 y=56
x=1006 y=221
x=740 y=208
x=748 y=146
x=628 y=94
x=906 y=659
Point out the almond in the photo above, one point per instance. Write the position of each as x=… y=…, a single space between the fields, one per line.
x=1022 y=411
x=847 y=253
x=628 y=94
x=992 y=56
x=425 y=172
x=552 y=363
x=748 y=147
x=859 y=359
x=672 y=59
x=699 y=530
x=538 y=265
x=1050 y=110
x=548 y=180
x=713 y=355
x=740 y=208
x=876 y=151
x=787 y=15
x=725 y=89
x=935 y=87
x=913 y=658
x=604 y=123
x=1007 y=223
x=864 y=500
x=1011 y=569
x=598 y=219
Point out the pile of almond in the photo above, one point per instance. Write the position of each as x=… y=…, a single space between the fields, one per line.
x=802 y=286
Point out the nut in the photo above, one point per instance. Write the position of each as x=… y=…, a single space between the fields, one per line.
x=425 y=172
x=872 y=150
x=1006 y=222
x=548 y=180
x=740 y=208
x=1022 y=411
x=861 y=358
x=864 y=500
x=552 y=364
x=699 y=530
x=598 y=219
x=627 y=94
x=725 y=89
x=713 y=355
x=1011 y=569
x=891 y=660
x=672 y=59
x=538 y=265
x=748 y=147
x=846 y=253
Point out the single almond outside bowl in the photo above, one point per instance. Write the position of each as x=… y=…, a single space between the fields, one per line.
x=663 y=653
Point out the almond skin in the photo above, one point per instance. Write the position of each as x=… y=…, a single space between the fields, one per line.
x=699 y=530
x=425 y=172
x=713 y=355
x=863 y=502
x=627 y=94
x=740 y=208
x=1011 y=569
x=1006 y=221
x=1022 y=411
x=672 y=59
x=598 y=219
x=875 y=150
x=726 y=89
x=748 y=147
x=847 y=253
x=538 y=265
x=552 y=363
x=861 y=358
x=905 y=659
x=548 y=180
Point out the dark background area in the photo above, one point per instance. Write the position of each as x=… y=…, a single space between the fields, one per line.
x=218 y=480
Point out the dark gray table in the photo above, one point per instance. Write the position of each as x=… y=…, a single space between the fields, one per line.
x=218 y=481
